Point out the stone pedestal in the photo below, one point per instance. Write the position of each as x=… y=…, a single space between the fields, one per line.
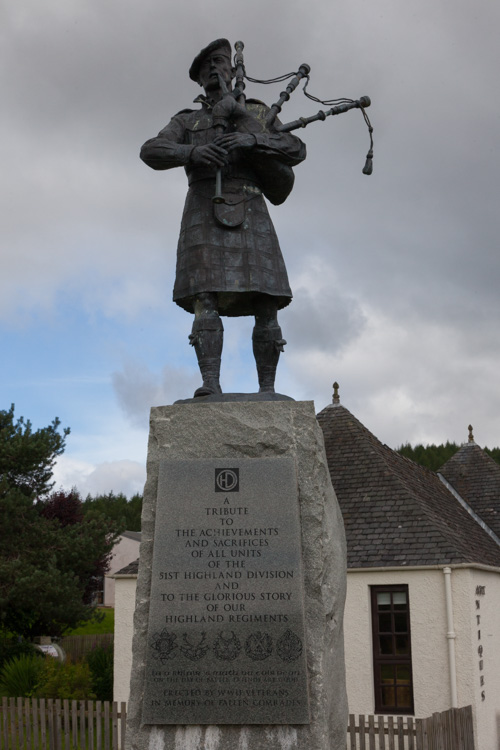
x=302 y=633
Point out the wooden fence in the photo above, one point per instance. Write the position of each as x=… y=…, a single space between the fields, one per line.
x=78 y=646
x=450 y=730
x=47 y=724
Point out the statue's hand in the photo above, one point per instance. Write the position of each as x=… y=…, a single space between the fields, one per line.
x=235 y=140
x=211 y=154
x=228 y=109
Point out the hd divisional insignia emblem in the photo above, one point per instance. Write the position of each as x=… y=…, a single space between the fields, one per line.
x=227 y=480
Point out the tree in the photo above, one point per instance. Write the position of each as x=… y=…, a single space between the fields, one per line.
x=49 y=569
x=51 y=557
x=125 y=513
x=434 y=456
x=494 y=453
x=67 y=509
x=430 y=456
x=26 y=457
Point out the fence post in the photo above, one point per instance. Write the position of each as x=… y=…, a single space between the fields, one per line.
x=439 y=725
x=106 y=725
x=123 y=720
x=352 y=732
x=431 y=732
x=12 y=713
x=468 y=728
x=50 y=721
x=451 y=723
x=371 y=732
x=74 y=724
x=381 y=733
x=114 y=711
x=20 y=730
x=411 y=733
x=83 y=743
x=58 y=720
x=362 y=744
x=43 y=724
x=98 y=725
x=390 y=732
x=27 y=722
x=90 y=724
x=5 y=729
x=401 y=733
x=458 y=738
x=457 y=729
x=36 y=737
x=425 y=734
x=66 y=724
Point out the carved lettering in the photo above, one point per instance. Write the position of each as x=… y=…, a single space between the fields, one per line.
x=234 y=602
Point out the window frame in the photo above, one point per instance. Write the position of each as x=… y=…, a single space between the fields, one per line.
x=393 y=659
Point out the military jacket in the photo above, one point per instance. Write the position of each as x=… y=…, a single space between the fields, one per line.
x=231 y=248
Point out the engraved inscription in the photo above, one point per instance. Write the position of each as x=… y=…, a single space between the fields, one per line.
x=226 y=624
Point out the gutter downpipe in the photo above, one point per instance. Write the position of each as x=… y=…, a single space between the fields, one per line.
x=450 y=635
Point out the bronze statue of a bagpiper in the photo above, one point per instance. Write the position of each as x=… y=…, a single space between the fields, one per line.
x=235 y=153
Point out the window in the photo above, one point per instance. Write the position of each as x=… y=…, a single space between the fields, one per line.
x=392 y=650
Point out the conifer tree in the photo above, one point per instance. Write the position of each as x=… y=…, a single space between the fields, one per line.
x=51 y=557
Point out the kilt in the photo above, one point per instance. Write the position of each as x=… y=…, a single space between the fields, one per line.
x=239 y=259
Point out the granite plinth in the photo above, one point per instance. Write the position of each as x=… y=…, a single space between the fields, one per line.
x=237 y=434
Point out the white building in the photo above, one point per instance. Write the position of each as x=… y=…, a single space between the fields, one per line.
x=125 y=551
x=422 y=617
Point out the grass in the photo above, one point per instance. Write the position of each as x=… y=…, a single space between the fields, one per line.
x=92 y=628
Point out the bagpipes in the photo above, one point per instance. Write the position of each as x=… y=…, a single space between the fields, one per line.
x=338 y=106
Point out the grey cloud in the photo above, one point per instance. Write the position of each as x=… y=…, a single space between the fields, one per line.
x=123 y=476
x=323 y=318
x=138 y=389
x=85 y=83
x=413 y=385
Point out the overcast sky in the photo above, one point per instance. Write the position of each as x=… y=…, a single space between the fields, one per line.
x=395 y=276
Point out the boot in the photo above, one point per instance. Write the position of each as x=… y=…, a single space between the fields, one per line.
x=206 y=337
x=267 y=346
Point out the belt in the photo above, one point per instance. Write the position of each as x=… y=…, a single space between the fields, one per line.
x=229 y=174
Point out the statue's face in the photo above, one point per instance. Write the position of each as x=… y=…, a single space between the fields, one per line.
x=215 y=64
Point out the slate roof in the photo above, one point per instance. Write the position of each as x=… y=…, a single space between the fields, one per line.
x=396 y=513
x=129 y=570
x=136 y=535
x=476 y=478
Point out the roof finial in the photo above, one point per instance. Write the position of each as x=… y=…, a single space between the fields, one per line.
x=335 y=399
x=471 y=436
